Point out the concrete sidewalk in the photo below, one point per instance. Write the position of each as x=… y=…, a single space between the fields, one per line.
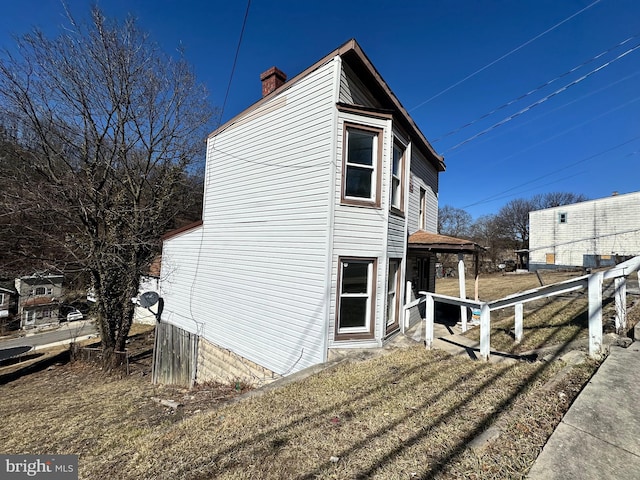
x=599 y=437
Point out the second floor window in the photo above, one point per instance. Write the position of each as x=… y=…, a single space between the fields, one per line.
x=397 y=165
x=42 y=291
x=361 y=167
x=423 y=209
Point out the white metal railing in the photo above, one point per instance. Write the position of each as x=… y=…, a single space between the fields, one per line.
x=593 y=282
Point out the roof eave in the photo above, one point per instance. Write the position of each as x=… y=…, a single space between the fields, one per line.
x=350 y=46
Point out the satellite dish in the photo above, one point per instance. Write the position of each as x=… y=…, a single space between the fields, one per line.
x=148 y=299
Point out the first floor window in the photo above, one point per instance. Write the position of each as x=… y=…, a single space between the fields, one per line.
x=393 y=284
x=40 y=291
x=356 y=297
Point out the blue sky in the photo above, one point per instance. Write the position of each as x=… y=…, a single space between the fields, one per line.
x=451 y=63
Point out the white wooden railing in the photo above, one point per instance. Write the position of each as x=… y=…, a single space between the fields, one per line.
x=593 y=282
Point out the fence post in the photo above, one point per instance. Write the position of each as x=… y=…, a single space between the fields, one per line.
x=620 y=295
x=485 y=331
x=519 y=321
x=429 y=313
x=595 y=314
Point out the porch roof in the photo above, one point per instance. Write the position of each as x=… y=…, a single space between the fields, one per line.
x=422 y=241
x=39 y=302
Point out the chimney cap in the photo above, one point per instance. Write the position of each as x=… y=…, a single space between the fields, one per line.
x=273 y=71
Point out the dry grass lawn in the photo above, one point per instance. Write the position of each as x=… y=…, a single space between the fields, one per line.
x=409 y=413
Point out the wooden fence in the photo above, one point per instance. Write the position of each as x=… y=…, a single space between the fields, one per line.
x=174 y=356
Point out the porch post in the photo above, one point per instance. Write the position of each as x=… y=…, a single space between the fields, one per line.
x=620 y=295
x=519 y=322
x=430 y=313
x=595 y=313
x=463 y=294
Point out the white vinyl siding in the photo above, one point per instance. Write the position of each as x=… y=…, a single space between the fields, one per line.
x=353 y=91
x=260 y=289
x=178 y=288
x=606 y=226
x=423 y=175
x=361 y=231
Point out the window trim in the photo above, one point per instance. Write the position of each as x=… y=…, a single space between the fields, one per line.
x=357 y=335
x=377 y=166
x=399 y=209
x=395 y=325
x=422 y=215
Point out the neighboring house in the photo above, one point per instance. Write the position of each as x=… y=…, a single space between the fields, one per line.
x=8 y=296
x=310 y=197
x=586 y=234
x=148 y=283
x=39 y=299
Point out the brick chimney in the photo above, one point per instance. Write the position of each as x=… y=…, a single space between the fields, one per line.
x=272 y=79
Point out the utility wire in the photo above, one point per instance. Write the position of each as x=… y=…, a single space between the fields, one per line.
x=560 y=107
x=590 y=157
x=537 y=89
x=235 y=61
x=504 y=56
x=542 y=100
x=573 y=127
x=200 y=325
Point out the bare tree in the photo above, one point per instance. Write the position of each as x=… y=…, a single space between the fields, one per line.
x=513 y=217
x=108 y=127
x=454 y=222
x=556 y=199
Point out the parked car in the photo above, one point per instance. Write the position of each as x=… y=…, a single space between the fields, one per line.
x=74 y=315
x=70 y=313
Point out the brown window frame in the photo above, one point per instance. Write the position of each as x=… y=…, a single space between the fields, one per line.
x=399 y=209
x=365 y=335
x=422 y=213
x=397 y=290
x=377 y=165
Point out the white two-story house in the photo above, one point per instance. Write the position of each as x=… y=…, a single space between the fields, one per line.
x=310 y=197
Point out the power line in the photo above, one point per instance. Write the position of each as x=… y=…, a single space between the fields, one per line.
x=602 y=152
x=543 y=99
x=235 y=61
x=575 y=100
x=573 y=127
x=504 y=56
x=208 y=177
x=537 y=89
